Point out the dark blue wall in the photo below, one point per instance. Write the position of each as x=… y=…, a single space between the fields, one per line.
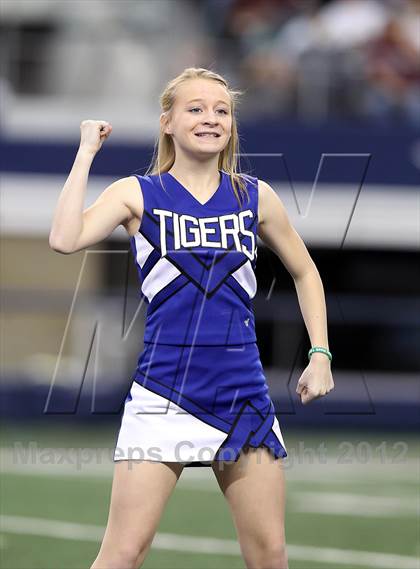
x=388 y=155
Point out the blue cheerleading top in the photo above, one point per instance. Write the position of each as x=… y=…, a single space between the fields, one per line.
x=196 y=262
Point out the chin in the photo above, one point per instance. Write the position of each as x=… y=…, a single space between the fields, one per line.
x=204 y=154
x=216 y=146
x=210 y=149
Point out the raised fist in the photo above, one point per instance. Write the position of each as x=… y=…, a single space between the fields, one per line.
x=93 y=133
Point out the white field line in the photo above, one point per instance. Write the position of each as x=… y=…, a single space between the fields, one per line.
x=356 y=505
x=193 y=544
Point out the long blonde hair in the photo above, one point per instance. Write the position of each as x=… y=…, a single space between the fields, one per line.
x=164 y=150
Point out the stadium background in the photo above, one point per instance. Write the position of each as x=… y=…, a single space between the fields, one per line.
x=331 y=118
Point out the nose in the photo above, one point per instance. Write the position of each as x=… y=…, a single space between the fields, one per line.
x=210 y=118
x=210 y=124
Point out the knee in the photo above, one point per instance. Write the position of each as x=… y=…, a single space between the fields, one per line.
x=270 y=555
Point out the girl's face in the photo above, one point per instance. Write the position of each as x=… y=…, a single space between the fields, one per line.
x=201 y=119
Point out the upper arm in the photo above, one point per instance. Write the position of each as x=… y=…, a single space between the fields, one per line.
x=277 y=232
x=120 y=202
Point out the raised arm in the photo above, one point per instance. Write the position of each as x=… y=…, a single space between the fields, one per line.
x=73 y=228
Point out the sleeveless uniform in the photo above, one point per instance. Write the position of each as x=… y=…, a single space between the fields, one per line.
x=199 y=392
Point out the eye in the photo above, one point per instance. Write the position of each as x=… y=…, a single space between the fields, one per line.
x=198 y=109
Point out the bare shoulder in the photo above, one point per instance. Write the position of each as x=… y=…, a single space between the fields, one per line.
x=268 y=201
x=128 y=190
x=277 y=232
x=264 y=189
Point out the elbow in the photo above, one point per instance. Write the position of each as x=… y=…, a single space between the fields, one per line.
x=62 y=250
x=303 y=271
x=59 y=247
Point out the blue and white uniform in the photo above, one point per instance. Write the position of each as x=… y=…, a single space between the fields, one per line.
x=199 y=392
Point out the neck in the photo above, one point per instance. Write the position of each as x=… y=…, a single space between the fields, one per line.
x=194 y=174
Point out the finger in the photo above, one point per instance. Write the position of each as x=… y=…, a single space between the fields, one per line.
x=305 y=398
x=309 y=396
x=300 y=387
x=105 y=132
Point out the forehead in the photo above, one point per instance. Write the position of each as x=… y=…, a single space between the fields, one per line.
x=208 y=90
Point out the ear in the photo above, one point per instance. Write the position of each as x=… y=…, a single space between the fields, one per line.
x=165 y=123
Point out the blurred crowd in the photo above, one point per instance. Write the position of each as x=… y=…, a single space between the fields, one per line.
x=316 y=59
x=311 y=59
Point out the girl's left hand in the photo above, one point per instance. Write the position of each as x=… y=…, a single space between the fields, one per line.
x=316 y=379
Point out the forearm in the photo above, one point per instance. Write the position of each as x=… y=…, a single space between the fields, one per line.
x=68 y=216
x=311 y=297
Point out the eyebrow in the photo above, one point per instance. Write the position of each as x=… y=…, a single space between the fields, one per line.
x=198 y=99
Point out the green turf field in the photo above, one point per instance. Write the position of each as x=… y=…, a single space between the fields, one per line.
x=357 y=508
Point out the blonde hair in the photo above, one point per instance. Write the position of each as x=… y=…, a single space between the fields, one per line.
x=164 y=150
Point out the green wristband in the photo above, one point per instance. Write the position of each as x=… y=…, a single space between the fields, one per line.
x=321 y=350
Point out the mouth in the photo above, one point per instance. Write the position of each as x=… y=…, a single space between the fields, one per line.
x=207 y=134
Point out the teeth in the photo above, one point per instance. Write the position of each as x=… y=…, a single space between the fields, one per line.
x=207 y=134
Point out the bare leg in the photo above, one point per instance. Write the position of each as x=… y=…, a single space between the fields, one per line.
x=140 y=490
x=254 y=488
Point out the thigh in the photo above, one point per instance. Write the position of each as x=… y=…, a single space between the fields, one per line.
x=140 y=490
x=254 y=487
